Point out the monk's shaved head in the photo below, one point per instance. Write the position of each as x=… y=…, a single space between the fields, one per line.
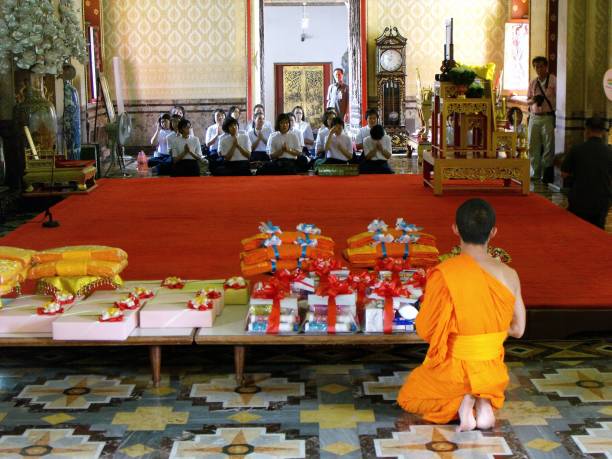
x=475 y=219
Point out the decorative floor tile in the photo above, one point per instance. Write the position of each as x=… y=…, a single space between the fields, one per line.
x=136 y=450
x=58 y=418
x=76 y=392
x=340 y=448
x=337 y=416
x=597 y=440
x=239 y=443
x=542 y=444
x=387 y=386
x=259 y=393
x=588 y=384
x=422 y=442
x=527 y=413
x=53 y=443
x=244 y=417
x=150 y=418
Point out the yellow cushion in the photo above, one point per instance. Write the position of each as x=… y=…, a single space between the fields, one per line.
x=69 y=267
x=81 y=252
x=24 y=256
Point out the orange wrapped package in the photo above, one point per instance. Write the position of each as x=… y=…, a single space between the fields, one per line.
x=255 y=242
x=418 y=255
x=284 y=252
x=267 y=266
x=365 y=238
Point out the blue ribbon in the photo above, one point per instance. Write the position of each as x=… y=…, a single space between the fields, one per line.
x=384 y=249
x=299 y=263
x=273 y=265
x=304 y=247
x=276 y=254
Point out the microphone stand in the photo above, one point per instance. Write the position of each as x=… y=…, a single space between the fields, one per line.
x=50 y=222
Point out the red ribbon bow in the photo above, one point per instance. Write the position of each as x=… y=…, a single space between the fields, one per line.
x=333 y=288
x=286 y=277
x=388 y=290
x=206 y=306
x=395 y=265
x=272 y=290
x=123 y=304
x=213 y=294
x=360 y=283
x=43 y=312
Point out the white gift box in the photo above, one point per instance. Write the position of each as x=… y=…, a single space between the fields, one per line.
x=374 y=318
x=348 y=300
x=20 y=315
x=303 y=285
x=289 y=302
x=82 y=323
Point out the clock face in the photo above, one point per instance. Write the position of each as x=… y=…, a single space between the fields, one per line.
x=391 y=60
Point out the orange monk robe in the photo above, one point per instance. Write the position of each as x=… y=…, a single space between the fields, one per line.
x=465 y=317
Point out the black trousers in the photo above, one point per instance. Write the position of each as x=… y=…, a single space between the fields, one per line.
x=281 y=166
x=186 y=168
x=375 y=166
x=233 y=168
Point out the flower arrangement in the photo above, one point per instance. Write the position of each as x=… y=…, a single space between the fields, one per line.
x=462 y=76
x=37 y=36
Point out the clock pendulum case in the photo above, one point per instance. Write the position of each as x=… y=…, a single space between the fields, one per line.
x=391 y=85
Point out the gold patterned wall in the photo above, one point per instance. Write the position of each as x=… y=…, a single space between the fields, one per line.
x=478 y=33
x=184 y=49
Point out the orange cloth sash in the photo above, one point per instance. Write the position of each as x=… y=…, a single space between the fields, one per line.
x=487 y=346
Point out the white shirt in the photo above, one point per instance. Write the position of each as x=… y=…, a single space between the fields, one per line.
x=334 y=151
x=162 y=142
x=177 y=145
x=362 y=134
x=321 y=139
x=306 y=130
x=300 y=137
x=369 y=144
x=211 y=132
x=262 y=144
x=276 y=141
x=226 y=141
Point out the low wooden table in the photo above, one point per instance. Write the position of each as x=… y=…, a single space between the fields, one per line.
x=155 y=338
x=476 y=170
x=230 y=329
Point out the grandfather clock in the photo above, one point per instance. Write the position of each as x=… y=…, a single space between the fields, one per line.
x=391 y=84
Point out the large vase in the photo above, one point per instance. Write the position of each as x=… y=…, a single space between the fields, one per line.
x=38 y=114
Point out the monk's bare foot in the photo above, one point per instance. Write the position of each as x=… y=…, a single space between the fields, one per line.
x=466 y=414
x=485 y=418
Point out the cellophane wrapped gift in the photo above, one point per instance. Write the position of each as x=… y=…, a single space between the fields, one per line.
x=271 y=309
x=33 y=313
x=334 y=310
x=236 y=290
x=179 y=310
x=391 y=308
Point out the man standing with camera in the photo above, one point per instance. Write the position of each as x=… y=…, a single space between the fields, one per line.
x=542 y=98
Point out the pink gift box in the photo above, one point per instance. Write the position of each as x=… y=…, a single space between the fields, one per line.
x=19 y=316
x=169 y=312
x=82 y=324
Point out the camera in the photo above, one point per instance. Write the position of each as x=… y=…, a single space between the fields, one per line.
x=538 y=99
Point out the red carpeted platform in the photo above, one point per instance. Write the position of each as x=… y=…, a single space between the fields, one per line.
x=191 y=227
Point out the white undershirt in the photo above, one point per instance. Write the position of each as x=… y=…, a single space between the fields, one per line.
x=306 y=130
x=321 y=139
x=162 y=142
x=362 y=134
x=211 y=132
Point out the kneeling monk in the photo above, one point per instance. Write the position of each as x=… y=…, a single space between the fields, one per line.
x=472 y=303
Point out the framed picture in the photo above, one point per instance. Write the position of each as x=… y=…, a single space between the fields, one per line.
x=108 y=102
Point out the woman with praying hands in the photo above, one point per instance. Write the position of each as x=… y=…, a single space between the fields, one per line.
x=259 y=135
x=376 y=152
x=186 y=152
x=284 y=147
x=235 y=149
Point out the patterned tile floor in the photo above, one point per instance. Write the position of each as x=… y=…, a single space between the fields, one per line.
x=299 y=402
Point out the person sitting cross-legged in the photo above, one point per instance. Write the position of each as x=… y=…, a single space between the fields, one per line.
x=338 y=145
x=259 y=135
x=186 y=152
x=235 y=149
x=376 y=152
x=284 y=148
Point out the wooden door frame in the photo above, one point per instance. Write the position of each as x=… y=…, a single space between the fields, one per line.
x=358 y=66
x=279 y=102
